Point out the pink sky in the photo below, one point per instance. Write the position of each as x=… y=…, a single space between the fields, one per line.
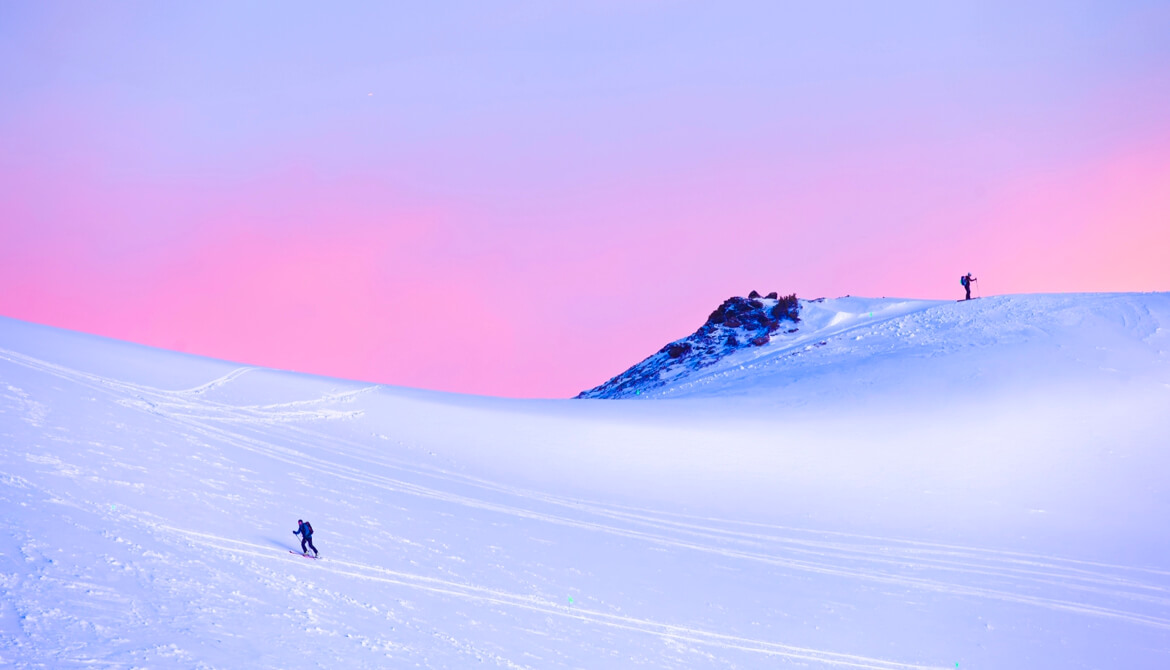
x=534 y=199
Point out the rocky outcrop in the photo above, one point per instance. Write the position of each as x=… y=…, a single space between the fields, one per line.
x=736 y=324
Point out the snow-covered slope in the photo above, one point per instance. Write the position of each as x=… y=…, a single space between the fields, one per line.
x=977 y=485
x=896 y=342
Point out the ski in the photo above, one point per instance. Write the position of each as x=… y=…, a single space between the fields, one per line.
x=305 y=555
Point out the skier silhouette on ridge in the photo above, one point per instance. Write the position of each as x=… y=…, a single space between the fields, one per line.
x=966 y=280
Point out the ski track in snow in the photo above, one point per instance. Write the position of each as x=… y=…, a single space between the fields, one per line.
x=531 y=603
x=216 y=383
x=1085 y=588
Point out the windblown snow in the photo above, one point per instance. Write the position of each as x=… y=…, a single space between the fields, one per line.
x=901 y=484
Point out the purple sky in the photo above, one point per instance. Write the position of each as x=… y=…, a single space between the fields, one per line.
x=524 y=199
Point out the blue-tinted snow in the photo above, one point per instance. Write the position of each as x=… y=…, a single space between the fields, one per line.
x=980 y=484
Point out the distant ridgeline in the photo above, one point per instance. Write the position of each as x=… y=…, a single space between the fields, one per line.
x=737 y=324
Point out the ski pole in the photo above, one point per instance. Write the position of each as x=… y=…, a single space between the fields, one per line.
x=978 y=293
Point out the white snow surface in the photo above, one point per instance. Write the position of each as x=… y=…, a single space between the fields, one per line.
x=908 y=484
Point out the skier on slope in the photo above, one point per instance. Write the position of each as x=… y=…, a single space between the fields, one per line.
x=305 y=530
x=966 y=280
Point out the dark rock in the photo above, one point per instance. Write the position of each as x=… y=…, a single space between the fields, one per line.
x=787 y=307
x=736 y=323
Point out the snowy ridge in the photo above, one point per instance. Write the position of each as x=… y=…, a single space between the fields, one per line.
x=977 y=484
x=856 y=334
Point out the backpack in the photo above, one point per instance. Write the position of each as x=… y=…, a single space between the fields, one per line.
x=963 y=280
x=309 y=527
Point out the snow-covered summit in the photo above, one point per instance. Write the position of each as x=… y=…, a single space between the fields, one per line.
x=902 y=348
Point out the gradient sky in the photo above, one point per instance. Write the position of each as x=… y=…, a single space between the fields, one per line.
x=525 y=198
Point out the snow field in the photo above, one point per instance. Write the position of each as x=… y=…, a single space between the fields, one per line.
x=972 y=484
